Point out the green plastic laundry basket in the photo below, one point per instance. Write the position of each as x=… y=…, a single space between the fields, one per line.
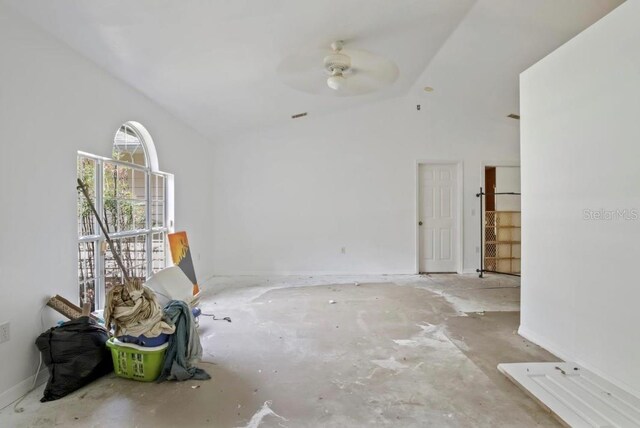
x=136 y=362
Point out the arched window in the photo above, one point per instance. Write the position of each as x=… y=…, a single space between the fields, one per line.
x=133 y=199
x=128 y=146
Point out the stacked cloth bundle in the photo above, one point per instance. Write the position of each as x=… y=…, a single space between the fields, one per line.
x=184 y=348
x=133 y=310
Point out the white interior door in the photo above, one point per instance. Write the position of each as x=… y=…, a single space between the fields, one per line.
x=438 y=218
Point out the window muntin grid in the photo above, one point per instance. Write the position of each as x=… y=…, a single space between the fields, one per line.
x=131 y=199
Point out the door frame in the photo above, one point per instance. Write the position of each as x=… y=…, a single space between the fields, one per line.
x=501 y=163
x=459 y=211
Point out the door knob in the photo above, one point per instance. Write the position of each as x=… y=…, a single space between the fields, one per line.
x=419 y=223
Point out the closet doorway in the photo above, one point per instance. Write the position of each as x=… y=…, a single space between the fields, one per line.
x=501 y=233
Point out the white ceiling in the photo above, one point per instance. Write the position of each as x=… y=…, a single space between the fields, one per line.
x=214 y=64
x=477 y=70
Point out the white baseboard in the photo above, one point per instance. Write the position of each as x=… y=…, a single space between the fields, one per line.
x=544 y=343
x=17 y=391
x=309 y=273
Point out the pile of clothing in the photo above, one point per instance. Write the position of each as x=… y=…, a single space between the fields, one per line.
x=135 y=315
x=184 y=348
x=132 y=309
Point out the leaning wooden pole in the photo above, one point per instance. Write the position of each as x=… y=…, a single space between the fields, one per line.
x=83 y=188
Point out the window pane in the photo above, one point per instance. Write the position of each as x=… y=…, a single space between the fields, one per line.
x=112 y=273
x=115 y=182
x=124 y=215
x=157 y=187
x=130 y=183
x=125 y=194
x=87 y=173
x=157 y=200
x=88 y=293
x=86 y=261
x=123 y=184
x=138 y=184
x=139 y=215
x=132 y=251
x=110 y=184
x=157 y=214
x=127 y=147
x=110 y=214
x=137 y=258
x=159 y=250
x=87 y=272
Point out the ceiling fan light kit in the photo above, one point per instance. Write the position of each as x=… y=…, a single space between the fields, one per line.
x=336 y=81
x=336 y=65
x=337 y=71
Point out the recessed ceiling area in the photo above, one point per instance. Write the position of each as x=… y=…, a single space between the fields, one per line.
x=214 y=64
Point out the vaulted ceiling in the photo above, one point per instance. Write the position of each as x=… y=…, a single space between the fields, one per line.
x=214 y=64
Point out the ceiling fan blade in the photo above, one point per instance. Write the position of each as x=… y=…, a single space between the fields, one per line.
x=306 y=72
x=316 y=87
x=379 y=68
x=360 y=84
x=304 y=61
x=310 y=81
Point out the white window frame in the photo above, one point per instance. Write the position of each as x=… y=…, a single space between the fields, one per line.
x=150 y=170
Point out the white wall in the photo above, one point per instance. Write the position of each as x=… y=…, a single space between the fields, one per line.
x=507 y=181
x=53 y=103
x=580 y=111
x=287 y=199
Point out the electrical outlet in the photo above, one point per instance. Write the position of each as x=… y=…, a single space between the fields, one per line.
x=343 y=250
x=4 y=332
x=477 y=250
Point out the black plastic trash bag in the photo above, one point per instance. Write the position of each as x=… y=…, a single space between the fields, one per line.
x=75 y=354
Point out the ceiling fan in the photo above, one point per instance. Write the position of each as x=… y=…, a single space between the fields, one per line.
x=338 y=71
x=337 y=64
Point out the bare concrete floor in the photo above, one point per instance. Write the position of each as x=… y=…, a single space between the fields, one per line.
x=394 y=351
